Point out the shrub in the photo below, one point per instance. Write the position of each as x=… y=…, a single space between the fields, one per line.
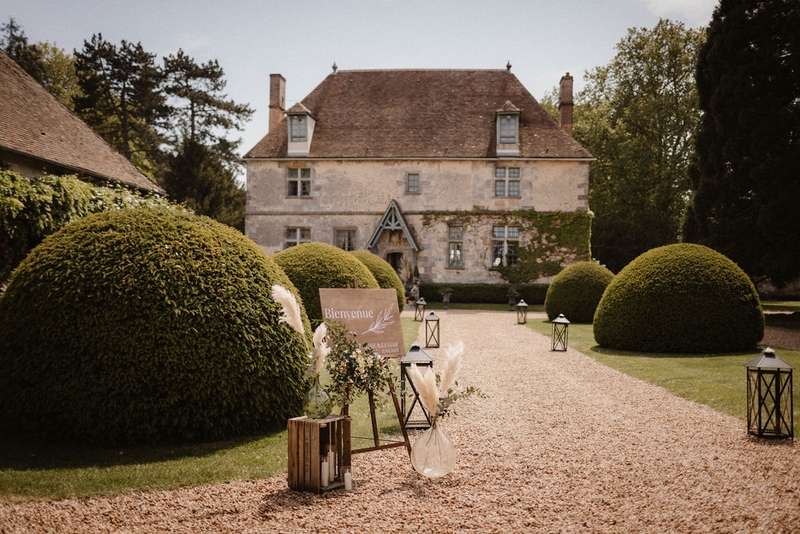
x=33 y=209
x=483 y=293
x=384 y=274
x=576 y=291
x=680 y=298
x=147 y=325
x=311 y=266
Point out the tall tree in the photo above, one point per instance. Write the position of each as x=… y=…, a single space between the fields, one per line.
x=48 y=64
x=203 y=167
x=14 y=42
x=198 y=177
x=638 y=116
x=746 y=201
x=122 y=98
x=200 y=112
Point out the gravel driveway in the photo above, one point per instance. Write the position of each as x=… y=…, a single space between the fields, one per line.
x=559 y=444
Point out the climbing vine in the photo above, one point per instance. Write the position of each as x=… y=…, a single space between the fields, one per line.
x=548 y=240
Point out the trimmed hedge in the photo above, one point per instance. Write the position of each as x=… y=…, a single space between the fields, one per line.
x=311 y=266
x=484 y=293
x=147 y=325
x=680 y=298
x=576 y=291
x=384 y=274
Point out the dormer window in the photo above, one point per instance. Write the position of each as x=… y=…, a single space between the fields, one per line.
x=298 y=128
x=301 y=130
x=508 y=128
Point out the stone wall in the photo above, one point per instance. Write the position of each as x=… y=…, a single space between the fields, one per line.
x=355 y=195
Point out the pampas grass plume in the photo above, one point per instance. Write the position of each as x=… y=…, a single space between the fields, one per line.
x=426 y=387
x=451 y=365
x=291 y=310
x=321 y=349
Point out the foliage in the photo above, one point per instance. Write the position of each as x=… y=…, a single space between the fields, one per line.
x=33 y=209
x=746 y=201
x=49 y=65
x=680 y=298
x=147 y=325
x=121 y=99
x=170 y=122
x=638 y=116
x=384 y=274
x=484 y=292
x=576 y=291
x=200 y=113
x=554 y=238
x=311 y=266
x=197 y=176
x=354 y=369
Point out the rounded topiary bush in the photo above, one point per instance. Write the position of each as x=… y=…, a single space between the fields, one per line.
x=384 y=274
x=147 y=325
x=311 y=266
x=576 y=290
x=680 y=298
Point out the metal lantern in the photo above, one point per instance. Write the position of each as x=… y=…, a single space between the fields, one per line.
x=560 y=333
x=419 y=309
x=522 y=312
x=432 y=331
x=769 y=397
x=414 y=413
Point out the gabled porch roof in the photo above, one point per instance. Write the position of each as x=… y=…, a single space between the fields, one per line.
x=393 y=220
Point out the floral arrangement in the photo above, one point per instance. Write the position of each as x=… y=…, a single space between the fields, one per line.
x=291 y=315
x=354 y=368
x=438 y=391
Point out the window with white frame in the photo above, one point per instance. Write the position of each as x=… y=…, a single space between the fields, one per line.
x=455 y=247
x=507 y=128
x=346 y=239
x=412 y=183
x=506 y=183
x=505 y=240
x=298 y=128
x=295 y=236
x=298 y=183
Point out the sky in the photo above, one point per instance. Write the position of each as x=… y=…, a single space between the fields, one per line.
x=301 y=39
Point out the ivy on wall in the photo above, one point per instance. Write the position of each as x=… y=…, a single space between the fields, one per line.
x=548 y=240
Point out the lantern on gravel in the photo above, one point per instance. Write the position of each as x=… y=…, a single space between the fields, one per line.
x=769 y=397
x=414 y=413
x=419 y=309
x=432 y=331
x=522 y=312
x=560 y=333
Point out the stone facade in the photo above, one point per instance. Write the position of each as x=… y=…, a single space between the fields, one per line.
x=419 y=206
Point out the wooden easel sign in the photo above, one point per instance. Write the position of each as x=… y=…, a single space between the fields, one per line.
x=371 y=313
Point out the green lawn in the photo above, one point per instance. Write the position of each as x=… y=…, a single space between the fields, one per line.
x=718 y=380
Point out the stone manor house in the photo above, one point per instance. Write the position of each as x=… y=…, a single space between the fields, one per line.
x=459 y=173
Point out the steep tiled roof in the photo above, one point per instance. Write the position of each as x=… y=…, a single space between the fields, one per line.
x=34 y=124
x=421 y=114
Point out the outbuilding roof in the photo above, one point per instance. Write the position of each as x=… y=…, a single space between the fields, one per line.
x=421 y=114
x=34 y=124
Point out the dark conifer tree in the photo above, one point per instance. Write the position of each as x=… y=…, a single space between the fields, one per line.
x=122 y=98
x=746 y=180
x=197 y=177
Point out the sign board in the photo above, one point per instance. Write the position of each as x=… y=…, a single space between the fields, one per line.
x=371 y=313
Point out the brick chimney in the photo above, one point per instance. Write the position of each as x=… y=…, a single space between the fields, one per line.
x=565 y=104
x=277 y=99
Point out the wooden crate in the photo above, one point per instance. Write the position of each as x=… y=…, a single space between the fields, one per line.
x=309 y=441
